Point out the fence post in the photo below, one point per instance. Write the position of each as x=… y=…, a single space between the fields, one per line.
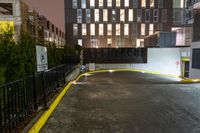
x=1 y=128
x=44 y=90
x=58 y=77
x=35 y=92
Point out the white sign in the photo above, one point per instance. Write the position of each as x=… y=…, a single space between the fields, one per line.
x=92 y=67
x=41 y=56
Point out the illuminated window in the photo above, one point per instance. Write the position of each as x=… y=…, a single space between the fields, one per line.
x=101 y=29
x=92 y=3
x=94 y=43
x=118 y=3
x=122 y=15
x=118 y=30
x=143 y=3
x=126 y=3
x=96 y=15
x=88 y=16
x=130 y=15
x=80 y=42
x=140 y=43
x=109 y=3
x=147 y=15
x=126 y=29
x=105 y=15
x=75 y=29
x=139 y=15
x=151 y=27
x=84 y=30
x=100 y=3
x=109 y=29
x=164 y=15
x=74 y=4
x=83 y=3
x=114 y=15
x=143 y=29
x=92 y=29
x=79 y=16
x=155 y=15
x=151 y=3
x=109 y=42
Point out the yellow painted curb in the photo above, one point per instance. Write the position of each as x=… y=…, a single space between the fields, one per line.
x=39 y=124
x=42 y=120
x=190 y=80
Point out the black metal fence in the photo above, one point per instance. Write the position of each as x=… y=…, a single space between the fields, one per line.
x=20 y=99
x=115 y=55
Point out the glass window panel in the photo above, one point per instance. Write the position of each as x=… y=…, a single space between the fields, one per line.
x=88 y=16
x=114 y=15
x=100 y=3
x=94 y=43
x=118 y=3
x=143 y=3
x=142 y=29
x=80 y=42
x=126 y=3
x=105 y=15
x=151 y=29
x=75 y=29
x=118 y=30
x=130 y=15
x=135 y=3
x=126 y=29
x=155 y=15
x=122 y=15
x=101 y=29
x=152 y=3
x=92 y=29
x=84 y=30
x=109 y=42
x=83 y=3
x=96 y=15
x=79 y=16
x=109 y=29
x=139 y=15
x=92 y=3
x=109 y=3
x=147 y=15
x=74 y=4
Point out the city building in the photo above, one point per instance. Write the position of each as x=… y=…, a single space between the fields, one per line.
x=195 y=47
x=24 y=19
x=183 y=21
x=116 y=23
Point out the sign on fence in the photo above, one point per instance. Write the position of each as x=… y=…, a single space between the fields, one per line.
x=41 y=56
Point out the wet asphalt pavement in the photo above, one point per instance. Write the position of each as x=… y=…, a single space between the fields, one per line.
x=127 y=102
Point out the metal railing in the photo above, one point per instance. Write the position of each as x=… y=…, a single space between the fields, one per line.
x=22 y=98
x=196 y=1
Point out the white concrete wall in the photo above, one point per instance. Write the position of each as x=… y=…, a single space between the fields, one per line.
x=73 y=74
x=161 y=60
x=194 y=73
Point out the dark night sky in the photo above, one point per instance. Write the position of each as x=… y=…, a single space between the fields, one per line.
x=52 y=9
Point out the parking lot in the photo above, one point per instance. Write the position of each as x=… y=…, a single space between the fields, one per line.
x=127 y=102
